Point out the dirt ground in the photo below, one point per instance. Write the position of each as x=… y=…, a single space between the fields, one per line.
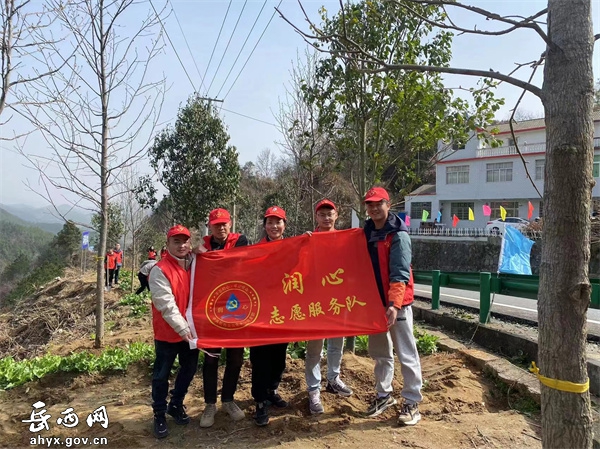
x=462 y=408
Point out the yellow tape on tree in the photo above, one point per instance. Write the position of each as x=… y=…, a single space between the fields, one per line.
x=562 y=385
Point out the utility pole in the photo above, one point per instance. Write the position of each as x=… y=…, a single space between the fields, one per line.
x=210 y=100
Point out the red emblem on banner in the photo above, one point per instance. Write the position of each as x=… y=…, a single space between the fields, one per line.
x=233 y=305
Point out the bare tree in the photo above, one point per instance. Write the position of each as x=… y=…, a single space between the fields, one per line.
x=23 y=41
x=134 y=215
x=97 y=115
x=567 y=96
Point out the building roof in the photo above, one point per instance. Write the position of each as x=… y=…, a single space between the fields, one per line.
x=425 y=189
x=537 y=123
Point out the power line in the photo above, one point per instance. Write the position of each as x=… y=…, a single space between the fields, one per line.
x=252 y=52
x=217 y=41
x=251 y=118
x=243 y=46
x=228 y=42
x=188 y=46
x=174 y=48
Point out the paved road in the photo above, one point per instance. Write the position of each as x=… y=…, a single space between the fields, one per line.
x=507 y=305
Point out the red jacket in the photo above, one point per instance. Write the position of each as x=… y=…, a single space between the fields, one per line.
x=383 y=251
x=119 y=255
x=110 y=261
x=180 y=286
x=163 y=253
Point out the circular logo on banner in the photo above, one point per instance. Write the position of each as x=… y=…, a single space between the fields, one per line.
x=233 y=305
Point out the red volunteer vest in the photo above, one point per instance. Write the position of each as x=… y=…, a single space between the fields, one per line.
x=232 y=239
x=111 y=261
x=180 y=286
x=383 y=251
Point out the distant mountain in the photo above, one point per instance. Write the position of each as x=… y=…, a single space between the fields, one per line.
x=18 y=236
x=7 y=217
x=47 y=215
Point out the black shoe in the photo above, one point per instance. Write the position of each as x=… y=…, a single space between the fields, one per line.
x=262 y=415
x=160 y=425
x=178 y=413
x=274 y=399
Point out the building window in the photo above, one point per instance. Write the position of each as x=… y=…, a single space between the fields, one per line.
x=458 y=174
x=499 y=172
x=416 y=209
x=512 y=208
x=596 y=170
x=540 y=165
x=458 y=146
x=511 y=141
x=461 y=210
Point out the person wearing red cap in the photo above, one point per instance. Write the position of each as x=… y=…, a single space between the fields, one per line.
x=325 y=215
x=268 y=361
x=170 y=288
x=390 y=252
x=220 y=238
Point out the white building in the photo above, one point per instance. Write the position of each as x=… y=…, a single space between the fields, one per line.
x=473 y=176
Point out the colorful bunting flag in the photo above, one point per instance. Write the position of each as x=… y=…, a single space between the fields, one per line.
x=502 y=213
x=530 y=212
x=487 y=210
x=407 y=220
x=425 y=215
x=439 y=216
x=471 y=215
x=455 y=221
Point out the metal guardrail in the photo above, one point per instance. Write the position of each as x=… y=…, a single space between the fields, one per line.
x=523 y=286
x=466 y=232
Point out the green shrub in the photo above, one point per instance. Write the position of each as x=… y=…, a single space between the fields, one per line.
x=14 y=373
x=426 y=343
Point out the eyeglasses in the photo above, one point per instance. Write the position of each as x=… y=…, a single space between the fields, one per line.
x=329 y=215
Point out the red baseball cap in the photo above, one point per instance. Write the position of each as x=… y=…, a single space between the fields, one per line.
x=275 y=211
x=178 y=230
x=218 y=216
x=325 y=203
x=377 y=194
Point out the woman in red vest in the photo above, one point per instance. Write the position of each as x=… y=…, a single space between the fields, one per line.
x=110 y=265
x=268 y=361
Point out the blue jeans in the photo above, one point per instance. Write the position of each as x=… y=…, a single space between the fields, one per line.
x=312 y=366
x=165 y=357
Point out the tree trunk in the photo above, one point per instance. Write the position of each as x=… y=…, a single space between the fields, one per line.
x=564 y=293
x=104 y=173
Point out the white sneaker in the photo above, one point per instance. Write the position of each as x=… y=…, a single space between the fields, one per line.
x=208 y=416
x=234 y=411
x=314 y=402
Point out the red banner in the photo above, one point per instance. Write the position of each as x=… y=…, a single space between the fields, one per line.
x=301 y=288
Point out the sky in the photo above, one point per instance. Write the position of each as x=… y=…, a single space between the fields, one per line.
x=262 y=83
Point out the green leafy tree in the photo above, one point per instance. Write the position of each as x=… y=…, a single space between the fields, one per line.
x=115 y=225
x=67 y=242
x=383 y=120
x=195 y=162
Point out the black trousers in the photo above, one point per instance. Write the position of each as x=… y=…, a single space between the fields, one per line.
x=268 y=365
x=210 y=374
x=109 y=275
x=143 y=284
x=165 y=357
x=117 y=274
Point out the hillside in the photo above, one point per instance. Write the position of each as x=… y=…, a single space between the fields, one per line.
x=462 y=407
x=46 y=215
x=17 y=236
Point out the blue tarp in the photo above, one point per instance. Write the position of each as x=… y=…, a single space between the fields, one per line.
x=515 y=252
